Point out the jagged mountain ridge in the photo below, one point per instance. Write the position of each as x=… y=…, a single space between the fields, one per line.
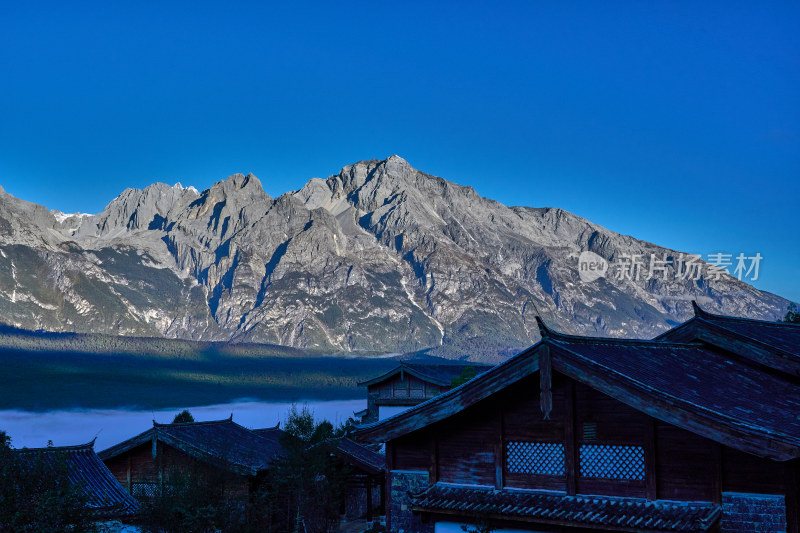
x=379 y=257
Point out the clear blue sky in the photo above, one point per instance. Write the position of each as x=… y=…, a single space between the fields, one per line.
x=675 y=122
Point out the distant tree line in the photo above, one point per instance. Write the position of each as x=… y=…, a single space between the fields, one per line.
x=98 y=343
x=792 y=314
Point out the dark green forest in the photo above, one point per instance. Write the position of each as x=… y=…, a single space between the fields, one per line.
x=45 y=371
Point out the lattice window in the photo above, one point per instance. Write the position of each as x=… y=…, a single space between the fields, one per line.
x=144 y=489
x=612 y=462
x=542 y=458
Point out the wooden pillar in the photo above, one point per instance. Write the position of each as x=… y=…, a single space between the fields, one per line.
x=651 y=459
x=792 y=499
x=570 y=439
x=716 y=473
x=382 y=488
x=433 y=468
x=545 y=381
x=160 y=468
x=128 y=476
x=499 y=453
x=369 y=498
x=388 y=484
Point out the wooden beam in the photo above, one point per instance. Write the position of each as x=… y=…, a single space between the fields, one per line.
x=388 y=485
x=792 y=498
x=129 y=473
x=499 y=453
x=160 y=466
x=433 y=468
x=369 y=498
x=545 y=381
x=651 y=459
x=383 y=496
x=570 y=438
x=716 y=472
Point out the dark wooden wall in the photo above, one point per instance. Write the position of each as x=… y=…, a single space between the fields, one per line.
x=140 y=461
x=138 y=466
x=470 y=447
x=613 y=423
x=409 y=387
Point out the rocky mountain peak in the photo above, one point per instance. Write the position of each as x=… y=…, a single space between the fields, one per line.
x=240 y=181
x=238 y=188
x=378 y=257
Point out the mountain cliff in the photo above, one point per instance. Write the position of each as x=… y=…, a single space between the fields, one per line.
x=379 y=257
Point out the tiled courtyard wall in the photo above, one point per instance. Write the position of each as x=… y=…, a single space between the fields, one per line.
x=752 y=513
x=403 y=520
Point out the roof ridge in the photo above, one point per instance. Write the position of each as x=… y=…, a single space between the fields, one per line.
x=190 y=442
x=196 y=423
x=630 y=342
x=74 y=447
x=770 y=323
x=548 y=333
x=702 y=313
x=448 y=363
x=626 y=500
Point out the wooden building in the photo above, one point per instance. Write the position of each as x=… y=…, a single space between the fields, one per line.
x=105 y=498
x=411 y=383
x=698 y=430
x=365 y=494
x=222 y=448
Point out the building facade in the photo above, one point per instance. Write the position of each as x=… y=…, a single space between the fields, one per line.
x=230 y=453
x=410 y=384
x=365 y=495
x=579 y=434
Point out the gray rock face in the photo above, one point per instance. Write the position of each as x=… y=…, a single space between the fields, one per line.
x=379 y=257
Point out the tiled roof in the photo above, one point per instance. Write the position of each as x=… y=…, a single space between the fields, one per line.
x=781 y=335
x=360 y=455
x=691 y=385
x=696 y=379
x=776 y=334
x=773 y=344
x=223 y=443
x=441 y=373
x=106 y=497
x=626 y=514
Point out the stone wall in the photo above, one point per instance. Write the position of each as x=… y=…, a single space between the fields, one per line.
x=402 y=519
x=356 y=502
x=752 y=513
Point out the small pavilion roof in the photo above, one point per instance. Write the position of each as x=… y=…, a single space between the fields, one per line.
x=223 y=443
x=106 y=497
x=357 y=454
x=436 y=373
